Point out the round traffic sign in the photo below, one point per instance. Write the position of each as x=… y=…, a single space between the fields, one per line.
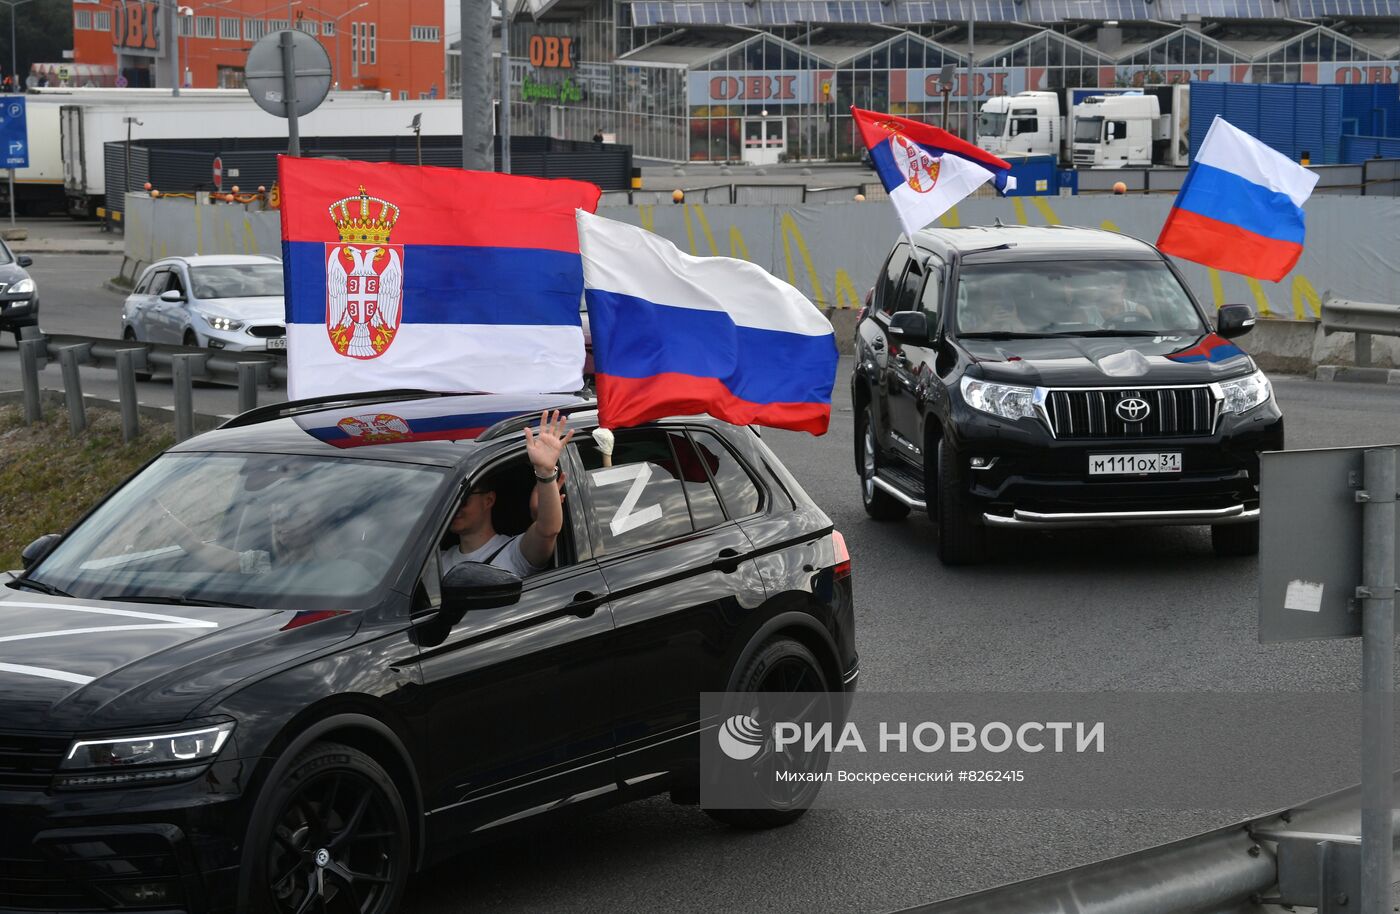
x=218 y=173
x=311 y=66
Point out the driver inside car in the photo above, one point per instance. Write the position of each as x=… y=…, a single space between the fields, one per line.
x=1118 y=307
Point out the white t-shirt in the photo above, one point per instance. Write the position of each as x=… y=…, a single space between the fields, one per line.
x=506 y=550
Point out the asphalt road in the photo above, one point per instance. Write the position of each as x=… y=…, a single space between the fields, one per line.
x=1075 y=611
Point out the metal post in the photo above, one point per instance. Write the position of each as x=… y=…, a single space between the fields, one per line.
x=507 y=13
x=173 y=19
x=1377 y=597
x=73 y=389
x=184 y=395
x=126 y=392
x=247 y=386
x=30 y=352
x=971 y=76
x=476 y=103
x=1363 y=340
x=289 y=91
x=12 y=196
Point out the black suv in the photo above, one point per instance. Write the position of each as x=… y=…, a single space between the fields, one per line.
x=1018 y=377
x=269 y=734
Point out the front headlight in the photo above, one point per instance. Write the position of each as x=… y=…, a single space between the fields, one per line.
x=167 y=755
x=1243 y=394
x=1005 y=400
x=23 y=287
x=219 y=322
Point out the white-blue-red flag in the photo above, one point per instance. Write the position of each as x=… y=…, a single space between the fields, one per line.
x=430 y=278
x=676 y=335
x=1240 y=208
x=925 y=170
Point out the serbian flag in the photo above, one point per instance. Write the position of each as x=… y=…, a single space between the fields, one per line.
x=1240 y=208
x=675 y=335
x=430 y=278
x=424 y=420
x=925 y=170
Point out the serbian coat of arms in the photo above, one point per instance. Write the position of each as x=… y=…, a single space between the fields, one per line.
x=364 y=277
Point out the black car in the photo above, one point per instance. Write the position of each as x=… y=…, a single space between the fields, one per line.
x=1043 y=378
x=270 y=734
x=19 y=297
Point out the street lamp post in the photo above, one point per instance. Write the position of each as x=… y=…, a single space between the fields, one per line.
x=14 y=66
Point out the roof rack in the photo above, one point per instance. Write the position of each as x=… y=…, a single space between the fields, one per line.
x=517 y=423
x=313 y=404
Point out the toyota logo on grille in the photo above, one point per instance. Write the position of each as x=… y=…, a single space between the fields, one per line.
x=1133 y=409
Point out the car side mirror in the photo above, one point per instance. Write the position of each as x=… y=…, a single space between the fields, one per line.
x=36 y=550
x=24 y=260
x=470 y=586
x=1234 y=320
x=909 y=328
x=172 y=295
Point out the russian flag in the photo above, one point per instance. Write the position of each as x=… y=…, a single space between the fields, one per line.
x=676 y=335
x=925 y=170
x=1240 y=208
x=430 y=278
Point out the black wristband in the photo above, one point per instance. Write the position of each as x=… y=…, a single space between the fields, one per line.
x=554 y=474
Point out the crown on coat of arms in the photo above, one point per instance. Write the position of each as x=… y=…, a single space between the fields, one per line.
x=356 y=223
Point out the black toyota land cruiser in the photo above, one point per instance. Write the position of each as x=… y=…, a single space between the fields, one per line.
x=1025 y=377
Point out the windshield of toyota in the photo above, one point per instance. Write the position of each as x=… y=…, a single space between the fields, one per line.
x=261 y=530
x=1074 y=298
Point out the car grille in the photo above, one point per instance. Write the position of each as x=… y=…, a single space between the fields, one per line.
x=1173 y=411
x=83 y=872
x=29 y=760
x=267 y=330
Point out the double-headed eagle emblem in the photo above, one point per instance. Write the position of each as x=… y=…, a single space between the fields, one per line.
x=364 y=277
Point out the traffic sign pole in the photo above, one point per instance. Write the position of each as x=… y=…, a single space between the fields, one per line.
x=1377 y=597
x=12 y=197
x=289 y=93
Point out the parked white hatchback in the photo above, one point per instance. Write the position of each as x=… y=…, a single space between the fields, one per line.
x=223 y=301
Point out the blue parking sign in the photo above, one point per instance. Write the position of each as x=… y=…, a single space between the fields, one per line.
x=14 y=133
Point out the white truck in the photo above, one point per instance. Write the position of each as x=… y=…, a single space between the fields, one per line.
x=84 y=127
x=1108 y=128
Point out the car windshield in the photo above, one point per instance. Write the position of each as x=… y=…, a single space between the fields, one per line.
x=1088 y=129
x=1074 y=297
x=245 y=280
x=263 y=530
x=5 y=255
x=989 y=124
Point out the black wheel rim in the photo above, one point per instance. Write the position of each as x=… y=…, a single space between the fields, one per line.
x=795 y=675
x=334 y=848
x=867 y=465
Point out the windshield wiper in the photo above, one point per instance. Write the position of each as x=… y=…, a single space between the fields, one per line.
x=173 y=601
x=40 y=586
x=1107 y=332
x=1002 y=335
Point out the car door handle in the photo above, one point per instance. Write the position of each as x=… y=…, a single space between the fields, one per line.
x=727 y=561
x=584 y=603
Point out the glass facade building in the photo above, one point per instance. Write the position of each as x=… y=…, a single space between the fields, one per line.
x=764 y=81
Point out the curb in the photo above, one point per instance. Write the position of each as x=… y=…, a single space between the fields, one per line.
x=42 y=251
x=1354 y=375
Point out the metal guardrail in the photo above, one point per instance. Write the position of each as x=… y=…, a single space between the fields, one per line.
x=185 y=364
x=1340 y=315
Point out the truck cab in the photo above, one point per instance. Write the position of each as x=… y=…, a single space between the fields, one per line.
x=1027 y=123
x=1114 y=131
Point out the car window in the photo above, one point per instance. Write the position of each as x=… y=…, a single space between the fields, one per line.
x=513 y=509
x=931 y=299
x=175 y=282
x=1074 y=296
x=639 y=498
x=144 y=286
x=244 y=280
x=885 y=292
x=5 y=255
x=740 y=493
x=909 y=289
x=265 y=530
x=158 y=282
x=695 y=470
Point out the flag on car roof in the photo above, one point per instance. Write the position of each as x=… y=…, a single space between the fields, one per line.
x=676 y=335
x=925 y=170
x=430 y=278
x=1240 y=208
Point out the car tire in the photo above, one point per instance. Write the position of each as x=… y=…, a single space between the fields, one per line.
x=130 y=336
x=781 y=664
x=1233 y=540
x=878 y=503
x=962 y=539
x=330 y=796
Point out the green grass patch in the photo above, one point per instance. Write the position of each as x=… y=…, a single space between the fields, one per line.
x=48 y=478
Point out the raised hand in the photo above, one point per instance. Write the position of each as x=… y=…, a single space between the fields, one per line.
x=544 y=447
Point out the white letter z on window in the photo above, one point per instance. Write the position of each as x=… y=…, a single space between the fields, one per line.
x=626 y=517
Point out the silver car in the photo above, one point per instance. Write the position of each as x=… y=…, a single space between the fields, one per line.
x=223 y=301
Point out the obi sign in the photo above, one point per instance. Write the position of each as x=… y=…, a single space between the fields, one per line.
x=551 y=52
x=136 y=29
x=774 y=87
